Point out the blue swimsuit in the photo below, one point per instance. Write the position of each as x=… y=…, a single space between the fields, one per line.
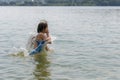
x=38 y=48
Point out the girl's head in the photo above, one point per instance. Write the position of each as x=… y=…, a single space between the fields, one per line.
x=42 y=26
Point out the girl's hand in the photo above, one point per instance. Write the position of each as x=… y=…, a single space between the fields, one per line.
x=47 y=32
x=48 y=39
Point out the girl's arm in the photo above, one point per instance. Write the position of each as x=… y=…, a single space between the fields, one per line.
x=35 y=45
x=47 y=32
x=48 y=37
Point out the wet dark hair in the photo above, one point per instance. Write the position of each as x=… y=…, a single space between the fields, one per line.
x=42 y=26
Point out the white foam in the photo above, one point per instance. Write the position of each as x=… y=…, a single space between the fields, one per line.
x=25 y=51
x=53 y=38
x=19 y=52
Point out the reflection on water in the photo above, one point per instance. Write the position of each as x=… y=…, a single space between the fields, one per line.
x=41 y=71
x=20 y=54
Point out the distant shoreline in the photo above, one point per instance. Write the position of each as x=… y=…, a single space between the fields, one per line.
x=74 y=7
x=59 y=3
x=67 y=5
x=59 y=6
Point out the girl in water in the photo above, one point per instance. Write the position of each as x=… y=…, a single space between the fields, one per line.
x=41 y=38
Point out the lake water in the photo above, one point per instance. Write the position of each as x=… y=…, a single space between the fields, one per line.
x=87 y=45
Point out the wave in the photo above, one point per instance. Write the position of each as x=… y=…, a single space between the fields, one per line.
x=66 y=41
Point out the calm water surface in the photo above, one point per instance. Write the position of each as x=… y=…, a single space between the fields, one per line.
x=87 y=45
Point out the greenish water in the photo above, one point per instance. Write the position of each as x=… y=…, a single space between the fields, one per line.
x=87 y=45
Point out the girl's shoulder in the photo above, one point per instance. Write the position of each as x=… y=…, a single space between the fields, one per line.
x=40 y=36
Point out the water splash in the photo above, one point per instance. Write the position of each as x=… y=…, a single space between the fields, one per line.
x=22 y=52
x=53 y=38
